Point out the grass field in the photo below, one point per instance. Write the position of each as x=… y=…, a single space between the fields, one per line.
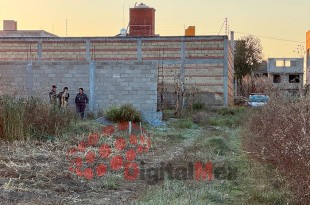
x=36 y=172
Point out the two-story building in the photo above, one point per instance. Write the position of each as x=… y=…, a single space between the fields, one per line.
x=286 y=73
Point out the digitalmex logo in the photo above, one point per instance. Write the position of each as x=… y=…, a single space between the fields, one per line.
x=118 y=147
x=114 y=149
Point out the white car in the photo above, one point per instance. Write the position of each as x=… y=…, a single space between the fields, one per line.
x=258 y=99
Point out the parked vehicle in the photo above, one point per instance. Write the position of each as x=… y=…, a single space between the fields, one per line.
x=257 y=99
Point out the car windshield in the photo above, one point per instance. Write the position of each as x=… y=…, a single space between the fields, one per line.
x=258 y=98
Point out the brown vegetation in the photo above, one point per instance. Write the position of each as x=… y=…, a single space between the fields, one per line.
x=251 y=84
x=31 y=117
x=279 y=134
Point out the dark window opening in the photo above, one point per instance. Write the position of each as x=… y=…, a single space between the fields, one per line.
x=293 y=79
x=276 y=79
x=293 y=63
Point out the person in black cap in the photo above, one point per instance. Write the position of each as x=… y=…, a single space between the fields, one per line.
x=63 y=98
x=81 y=100
x=52 y=94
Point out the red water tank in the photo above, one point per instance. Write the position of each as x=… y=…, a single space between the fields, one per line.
x=142 y=21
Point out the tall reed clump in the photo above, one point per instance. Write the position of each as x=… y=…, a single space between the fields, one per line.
x=31 y=117
x=279 y=134
x=12 y=116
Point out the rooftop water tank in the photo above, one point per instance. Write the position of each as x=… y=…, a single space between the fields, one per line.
x=142 y=21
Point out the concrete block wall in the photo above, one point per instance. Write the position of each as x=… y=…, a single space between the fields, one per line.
x=121 y=83
x=112 y=83
x=295 y=68
x=201 y=61
x=285 y=84
x=13 y=76
x=296 y=65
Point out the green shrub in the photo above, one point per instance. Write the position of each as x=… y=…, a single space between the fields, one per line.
x=198 y=105
x=123 y=113
x=113 y=114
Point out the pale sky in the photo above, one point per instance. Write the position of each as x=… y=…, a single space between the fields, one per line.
x=280 y=25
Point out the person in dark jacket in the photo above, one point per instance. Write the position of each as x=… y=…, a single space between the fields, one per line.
x=81 y=100
x=53 y=97
x=63 y=98
x=52 y=94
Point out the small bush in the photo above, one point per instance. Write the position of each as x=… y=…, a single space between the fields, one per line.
x=113 y=114
x=123 y=113
x=198 y=105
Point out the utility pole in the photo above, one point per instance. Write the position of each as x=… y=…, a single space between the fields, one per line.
x=226 y=27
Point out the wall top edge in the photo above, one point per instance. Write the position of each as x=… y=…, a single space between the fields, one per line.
x=212 y=37
x=269 y=59
x=77 y=62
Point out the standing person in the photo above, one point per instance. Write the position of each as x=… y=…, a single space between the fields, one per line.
x=63 y=98
x=81 y=100
x=52 y=95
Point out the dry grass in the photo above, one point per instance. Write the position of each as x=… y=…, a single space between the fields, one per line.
x=36 y=172
x=278 y=134
x=237 y=179
x=31 y=117
x=251 y=84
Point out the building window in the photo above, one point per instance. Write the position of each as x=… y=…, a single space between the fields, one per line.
x=294 y=63
x=276 y=79
x=293 y=78
x=283 y=63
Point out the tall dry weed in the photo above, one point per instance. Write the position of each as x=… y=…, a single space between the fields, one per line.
x=279 y=134
x=22 y=117
x=252 y=84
